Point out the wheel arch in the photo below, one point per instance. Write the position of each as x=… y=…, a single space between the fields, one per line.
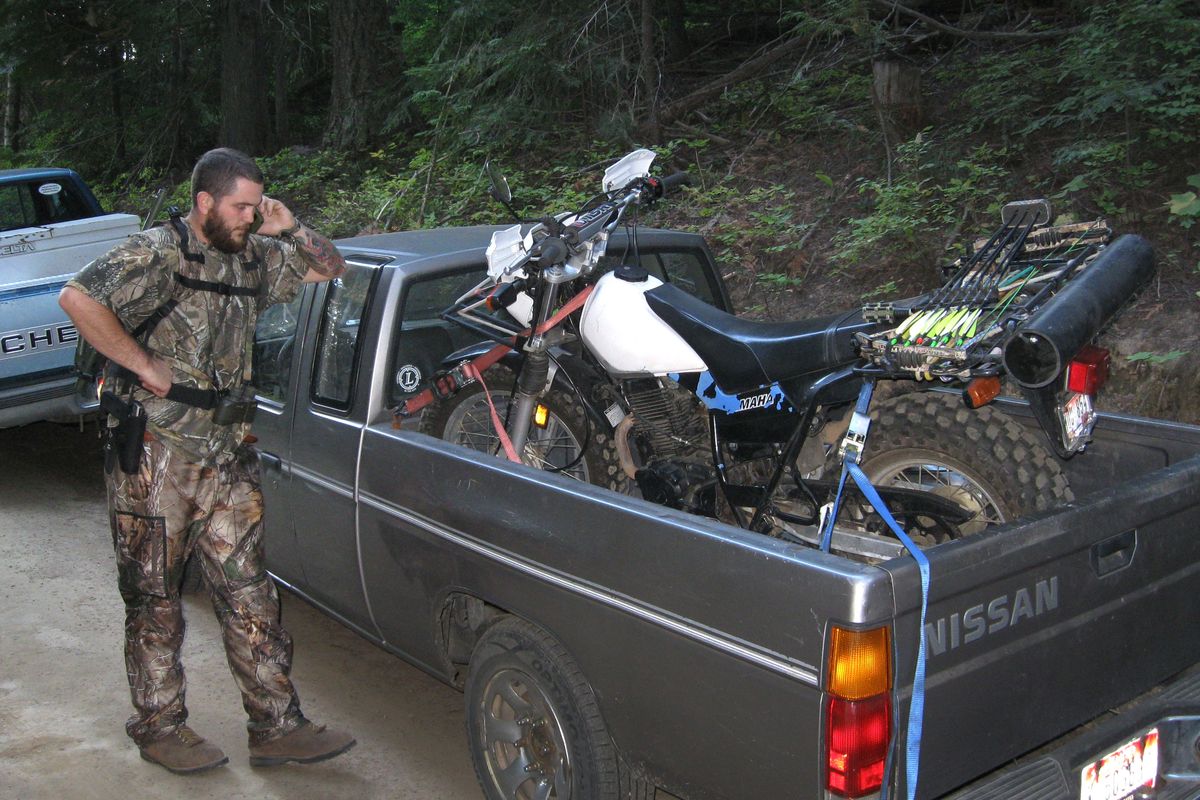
x=462 y=620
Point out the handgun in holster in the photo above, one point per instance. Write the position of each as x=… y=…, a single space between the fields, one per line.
x=123 y=441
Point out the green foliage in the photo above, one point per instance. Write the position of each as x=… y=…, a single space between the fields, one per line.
x=1156 y=358
x=1184 y=208
x=1135 y=67
x=930 y=190
x=882 y=290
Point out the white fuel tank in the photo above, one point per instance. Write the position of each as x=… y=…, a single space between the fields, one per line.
x=627 y=337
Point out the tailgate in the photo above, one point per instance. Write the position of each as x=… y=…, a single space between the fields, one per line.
x=1039 y=627
x=37 y=340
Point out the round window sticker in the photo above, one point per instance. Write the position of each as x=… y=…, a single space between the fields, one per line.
x=408 y=378
x=49 y=188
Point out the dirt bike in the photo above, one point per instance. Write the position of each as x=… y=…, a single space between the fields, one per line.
x=617 y=378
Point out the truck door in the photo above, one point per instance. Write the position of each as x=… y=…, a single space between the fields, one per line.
x=275 y=353
x=325 y=438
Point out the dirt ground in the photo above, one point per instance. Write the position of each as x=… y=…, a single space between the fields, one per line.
x=63 y=694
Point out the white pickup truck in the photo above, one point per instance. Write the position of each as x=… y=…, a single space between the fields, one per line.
x=50 y=226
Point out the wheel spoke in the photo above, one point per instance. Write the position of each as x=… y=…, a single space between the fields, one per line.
x=541 y=790
x=516 y=773
x=500 y=730
x=519 y=705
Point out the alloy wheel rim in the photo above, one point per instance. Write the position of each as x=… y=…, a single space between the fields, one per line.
x=524 y=749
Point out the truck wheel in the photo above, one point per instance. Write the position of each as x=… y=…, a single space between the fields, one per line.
x=981 y=459
x=533 y=725
x=464 y=418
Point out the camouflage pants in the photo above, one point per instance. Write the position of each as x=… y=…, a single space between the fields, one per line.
x=159 y=517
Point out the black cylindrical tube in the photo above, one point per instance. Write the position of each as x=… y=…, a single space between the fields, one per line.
x=1046 y=342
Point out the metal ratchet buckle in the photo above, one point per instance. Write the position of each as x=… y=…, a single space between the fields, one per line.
x=855 y=441
x=448 y=382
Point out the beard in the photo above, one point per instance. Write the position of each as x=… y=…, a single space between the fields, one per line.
x=223 y=237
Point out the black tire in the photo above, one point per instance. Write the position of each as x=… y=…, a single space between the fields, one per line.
x=982 y=459
x=534 y=728
x=464 y=418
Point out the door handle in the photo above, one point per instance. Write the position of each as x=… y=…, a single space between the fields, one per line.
x=1114 y=553
x=270 y=462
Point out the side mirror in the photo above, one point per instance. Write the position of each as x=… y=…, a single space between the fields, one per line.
x=499 y=190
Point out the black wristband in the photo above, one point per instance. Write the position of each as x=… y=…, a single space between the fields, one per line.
x=291 y=232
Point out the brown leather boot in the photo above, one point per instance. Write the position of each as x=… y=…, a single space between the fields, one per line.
x=183 y=751
x=306 y=744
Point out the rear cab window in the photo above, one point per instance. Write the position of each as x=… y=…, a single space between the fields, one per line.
x=29 y=203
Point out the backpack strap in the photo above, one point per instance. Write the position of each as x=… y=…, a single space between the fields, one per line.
x=183 y=235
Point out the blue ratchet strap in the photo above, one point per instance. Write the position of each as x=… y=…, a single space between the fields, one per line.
x=862 y=407
x=916 y=709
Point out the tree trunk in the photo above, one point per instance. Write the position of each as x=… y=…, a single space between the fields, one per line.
x=897 y=95
x=118 y=106
x=649 y=70
x=355 y=27
x=279 y=50
x=244 y=78
x=12 y=109
x=674 y=25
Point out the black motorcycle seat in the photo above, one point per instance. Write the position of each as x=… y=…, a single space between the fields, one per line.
x=744 y=354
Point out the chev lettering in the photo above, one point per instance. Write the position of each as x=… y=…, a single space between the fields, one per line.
x=14 y=344
x=984 y=619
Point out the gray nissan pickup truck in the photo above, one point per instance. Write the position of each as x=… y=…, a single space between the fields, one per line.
x=607 y=646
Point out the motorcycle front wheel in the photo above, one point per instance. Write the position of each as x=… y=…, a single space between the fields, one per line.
x=984 y=461
x=568 y=443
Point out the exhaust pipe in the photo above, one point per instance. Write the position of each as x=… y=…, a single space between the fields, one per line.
x=1046 y=342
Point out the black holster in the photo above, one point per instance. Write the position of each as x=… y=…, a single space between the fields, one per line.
x=236 y=405
x=123 y=441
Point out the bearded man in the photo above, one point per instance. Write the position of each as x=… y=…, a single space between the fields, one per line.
x=174 y=309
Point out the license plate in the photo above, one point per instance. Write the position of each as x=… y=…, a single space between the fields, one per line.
x=1078 y=419
x=1123 y=771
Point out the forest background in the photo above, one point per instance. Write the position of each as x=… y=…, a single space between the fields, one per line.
x=840 y=151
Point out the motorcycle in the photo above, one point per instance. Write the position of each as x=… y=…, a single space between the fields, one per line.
x=617 y=378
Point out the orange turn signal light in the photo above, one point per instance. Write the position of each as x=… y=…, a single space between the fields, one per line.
x=860 y=663
x=981 y=391
x=541 y=415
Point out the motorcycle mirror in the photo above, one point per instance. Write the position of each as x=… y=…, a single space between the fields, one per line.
x=500 y=190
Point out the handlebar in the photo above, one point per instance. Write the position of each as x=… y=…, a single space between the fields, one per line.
x=668 y=183
x=556 y=247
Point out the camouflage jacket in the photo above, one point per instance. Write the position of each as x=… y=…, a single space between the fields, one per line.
x=208 y=338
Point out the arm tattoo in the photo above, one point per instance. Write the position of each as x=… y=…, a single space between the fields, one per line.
x=323 y=257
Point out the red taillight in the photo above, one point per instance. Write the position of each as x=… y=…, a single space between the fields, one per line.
x=1088 y=371
x=857 y=732
x=858 y=716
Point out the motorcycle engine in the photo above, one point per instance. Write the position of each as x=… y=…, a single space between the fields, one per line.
x=672 y=442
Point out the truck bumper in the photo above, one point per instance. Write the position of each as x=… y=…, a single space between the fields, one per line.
x=1053 y=771
x=54 y=399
